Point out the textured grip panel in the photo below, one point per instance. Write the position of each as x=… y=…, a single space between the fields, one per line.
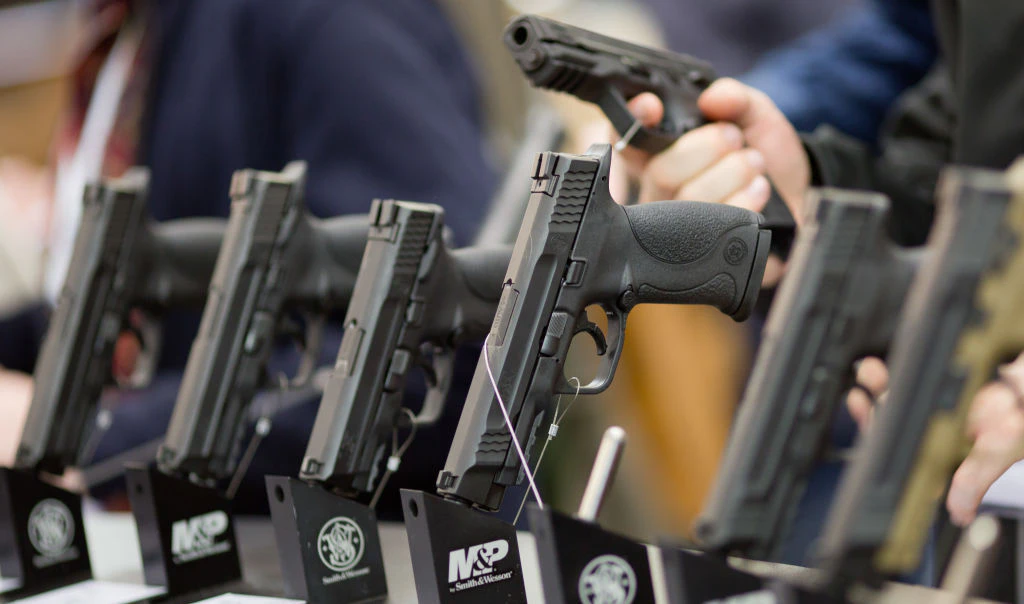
x=683 y=234
x=720 y=292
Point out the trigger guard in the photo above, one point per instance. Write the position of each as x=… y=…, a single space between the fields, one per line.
x=612 y=353
x=312 y=339
x=439 y=376
x=151 y=335
x=595 y=334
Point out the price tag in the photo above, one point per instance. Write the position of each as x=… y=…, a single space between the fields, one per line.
x=96 y=592
x=240 y=599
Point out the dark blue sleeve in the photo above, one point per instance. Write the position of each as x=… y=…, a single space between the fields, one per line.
x=381 y=102
x=849 y=73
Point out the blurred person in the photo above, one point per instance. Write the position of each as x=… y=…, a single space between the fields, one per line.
x=849 y=73
x=966 y=112
x=734 y=34
x=377 y=97
x=36 y=43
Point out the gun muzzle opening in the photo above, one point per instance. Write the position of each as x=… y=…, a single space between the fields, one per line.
x=519 y=37
x=521 y=34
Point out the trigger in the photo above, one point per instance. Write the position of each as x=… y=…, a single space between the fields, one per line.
x=595 y=334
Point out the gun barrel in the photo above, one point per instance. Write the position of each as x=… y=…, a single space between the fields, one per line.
x=184 y=253
x=546 y=49
x=609 y=72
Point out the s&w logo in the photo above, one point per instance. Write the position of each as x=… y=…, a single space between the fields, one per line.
x=607 y=580
x=196 y=537
x=51 y=530
x=474 y=566
x=341 y=545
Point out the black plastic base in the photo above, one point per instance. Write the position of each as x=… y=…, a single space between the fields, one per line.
x=581 y=562
x=461 y=555
x=42 y=536
x=186 y=532
x=329 y=545
x=694 y=578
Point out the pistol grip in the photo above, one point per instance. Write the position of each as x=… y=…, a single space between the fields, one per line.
x=696 y=253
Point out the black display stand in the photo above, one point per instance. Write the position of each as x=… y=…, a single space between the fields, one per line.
x=186 y=533
x=461 y=555
x=695 y=578
x=582 y=563
x=329 y=545
x=42 y=536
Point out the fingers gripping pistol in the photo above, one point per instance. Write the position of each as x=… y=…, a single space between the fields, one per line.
x=414 y=302
x=577 y=248
x=609 y=72
x=275 y=258
x=121 y=261
x=840 y=301
x=962 y=319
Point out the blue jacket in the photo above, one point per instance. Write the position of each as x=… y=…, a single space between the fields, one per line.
x=850 y=73
x=377 y=97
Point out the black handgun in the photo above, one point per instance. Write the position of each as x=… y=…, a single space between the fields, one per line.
x=962 y=318
x=414 y=302
x=845 y=285
x=577 y=248
x=609 y=72
x=276 y=257
x=121 y=261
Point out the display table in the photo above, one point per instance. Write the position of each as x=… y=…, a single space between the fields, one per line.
x=114 y=548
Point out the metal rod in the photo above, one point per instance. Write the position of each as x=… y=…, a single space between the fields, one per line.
x=605 y=465
x=971 y=558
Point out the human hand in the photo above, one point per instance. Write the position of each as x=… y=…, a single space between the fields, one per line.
x=724 y=161
x=995 y=425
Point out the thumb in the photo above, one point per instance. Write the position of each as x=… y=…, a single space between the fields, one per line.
x=766 y=129
x=763 y=124
x=727 y=100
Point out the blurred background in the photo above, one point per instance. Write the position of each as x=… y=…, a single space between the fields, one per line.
x=683 y=369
